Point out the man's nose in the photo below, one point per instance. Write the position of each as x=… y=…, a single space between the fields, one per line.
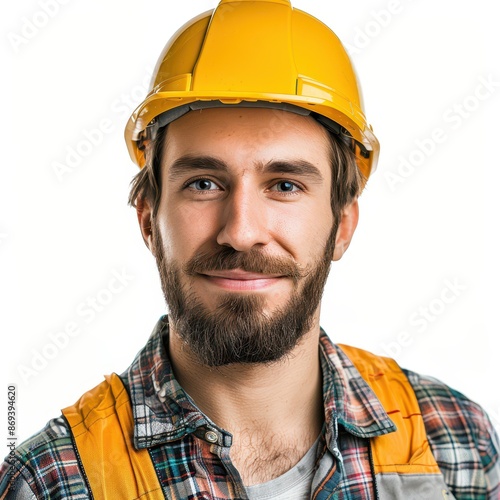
x=244 y=220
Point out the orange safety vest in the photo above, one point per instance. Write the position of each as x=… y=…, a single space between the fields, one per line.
x=102 y=426
x=403 y=461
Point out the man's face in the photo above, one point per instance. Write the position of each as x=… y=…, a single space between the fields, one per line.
x=244 y=235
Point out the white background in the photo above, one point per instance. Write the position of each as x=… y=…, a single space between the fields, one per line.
x=62 y=238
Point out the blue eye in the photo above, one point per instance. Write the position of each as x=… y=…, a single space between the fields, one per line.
x=285 y=187
x=203 y=185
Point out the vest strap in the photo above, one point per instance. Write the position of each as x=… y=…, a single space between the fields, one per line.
x=102 y=424
x=407 y=450
x=403 y=461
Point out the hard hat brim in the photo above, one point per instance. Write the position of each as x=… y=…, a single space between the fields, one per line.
x=160 y=109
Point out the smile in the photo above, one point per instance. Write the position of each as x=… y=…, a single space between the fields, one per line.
x=239 y=280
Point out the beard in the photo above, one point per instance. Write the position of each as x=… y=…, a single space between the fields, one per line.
x=238 y=330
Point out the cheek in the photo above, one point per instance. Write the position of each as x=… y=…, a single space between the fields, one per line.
x=186 y=228
x=307 y=227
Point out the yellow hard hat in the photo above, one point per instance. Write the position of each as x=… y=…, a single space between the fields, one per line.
x=256 y=53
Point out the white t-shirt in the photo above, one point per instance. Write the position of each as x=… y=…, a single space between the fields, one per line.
x=294 y=484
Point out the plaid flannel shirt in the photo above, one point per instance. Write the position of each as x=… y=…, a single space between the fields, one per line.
x=171 y=427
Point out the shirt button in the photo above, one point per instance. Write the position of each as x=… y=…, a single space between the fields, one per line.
x=211 y=437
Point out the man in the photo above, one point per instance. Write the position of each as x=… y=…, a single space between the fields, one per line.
x=253 y=153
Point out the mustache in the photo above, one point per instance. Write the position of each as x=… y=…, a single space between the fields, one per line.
x=254 y=261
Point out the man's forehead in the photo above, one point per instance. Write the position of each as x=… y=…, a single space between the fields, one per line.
x=254 y=136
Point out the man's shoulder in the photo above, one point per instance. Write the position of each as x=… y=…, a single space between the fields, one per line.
x=53 y=440
x=43 y=466
x=448 y=406
x=461 y=435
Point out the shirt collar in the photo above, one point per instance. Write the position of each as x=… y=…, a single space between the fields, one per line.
x=163 y=411
x=348 y=397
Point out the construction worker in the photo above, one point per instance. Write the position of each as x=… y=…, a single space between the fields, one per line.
x=253 y=148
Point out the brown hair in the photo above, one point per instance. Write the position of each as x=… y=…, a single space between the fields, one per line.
x=347 y=180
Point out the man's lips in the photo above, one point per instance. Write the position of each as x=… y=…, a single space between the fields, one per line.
x=237 y=279
x=239 y=274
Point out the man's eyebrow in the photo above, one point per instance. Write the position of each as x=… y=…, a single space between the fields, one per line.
x=294 y=167
x=188 y=163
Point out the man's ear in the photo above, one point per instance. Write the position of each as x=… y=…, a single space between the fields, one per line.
x=144 y=215
x=348 y=222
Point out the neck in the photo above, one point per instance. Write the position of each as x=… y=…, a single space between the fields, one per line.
x=259 y=404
